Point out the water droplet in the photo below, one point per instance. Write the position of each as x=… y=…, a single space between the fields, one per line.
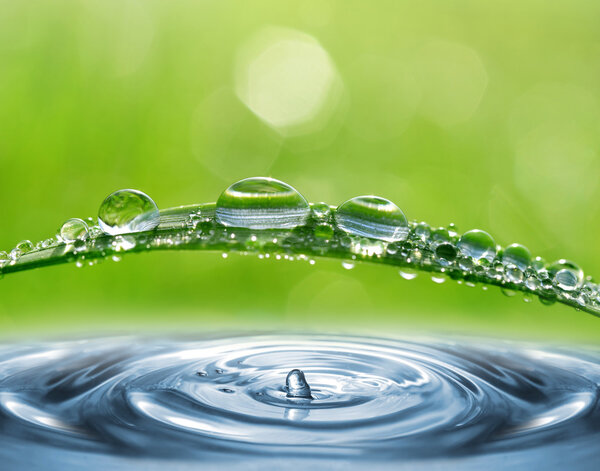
x=74 y=229
x=227 y=390
x=24 y=246
x=478 y=245
x=373 y=217
x=126 y=211
x=408 y=273
x=566 y=274
x=517 y=255
x=566 y=279
x=422 y=231
x=348 y=264
x=445 y=251
x=321 y=210
x=4 y=258
x=297 y=386
x=513 y=273
x=262 y=203
x=201 y=373
x=438 y=279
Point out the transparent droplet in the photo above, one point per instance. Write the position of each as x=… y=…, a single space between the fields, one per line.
x=438 y=279
x=24 y=246
x=373 y=217
x=126 y=211
x=321 y=210
x=513 y=273
x=74 y=229
x=297 y=386
x=262 y=203
x=571 y=276
x=517 y=255
x=4 y=258
x=422 y=231
x=566 y=279
x=445 y=251
x=478 y=245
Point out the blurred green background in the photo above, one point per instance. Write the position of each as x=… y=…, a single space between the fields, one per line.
x=485 y=114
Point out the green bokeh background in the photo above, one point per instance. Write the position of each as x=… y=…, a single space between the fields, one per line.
x=485 y=114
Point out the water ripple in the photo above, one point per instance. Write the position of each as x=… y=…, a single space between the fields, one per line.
x=372 y=399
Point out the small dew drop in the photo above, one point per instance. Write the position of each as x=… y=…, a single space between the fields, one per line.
x=74 y=229
x=321 y=210
x=517 y=255
x=478 y=245
x=438 y=279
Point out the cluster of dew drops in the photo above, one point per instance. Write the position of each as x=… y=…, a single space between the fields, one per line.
x=363 y=228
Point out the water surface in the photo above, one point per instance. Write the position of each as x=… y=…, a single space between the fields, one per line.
x=140 y=403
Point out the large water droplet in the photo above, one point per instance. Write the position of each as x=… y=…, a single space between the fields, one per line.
x=373 y=217
x=478 y=245
x=262 y=203
x=74 y=229
x=518 y=255
x=126 y=211
x=296 y=385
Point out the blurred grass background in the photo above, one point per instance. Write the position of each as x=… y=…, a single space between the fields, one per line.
x=485 y=114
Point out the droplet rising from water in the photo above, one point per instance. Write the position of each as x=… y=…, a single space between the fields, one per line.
x=373 y=217
x=262 y=203
x=518 y=255
x=74 y=229
x=478 y=245
x=126 y=211
x=296 y=385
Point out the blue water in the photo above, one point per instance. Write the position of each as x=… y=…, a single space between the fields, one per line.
x=180 y=404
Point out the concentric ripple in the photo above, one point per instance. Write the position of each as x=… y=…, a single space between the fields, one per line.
x=372 y=399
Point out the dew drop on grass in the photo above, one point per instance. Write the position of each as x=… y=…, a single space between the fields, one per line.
x=373 y=217
x=262 y=203
x=566 y=274
x=478 y=245
x=126 y=211
x=74 y=229
x=517 y=255
x=24 y=246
